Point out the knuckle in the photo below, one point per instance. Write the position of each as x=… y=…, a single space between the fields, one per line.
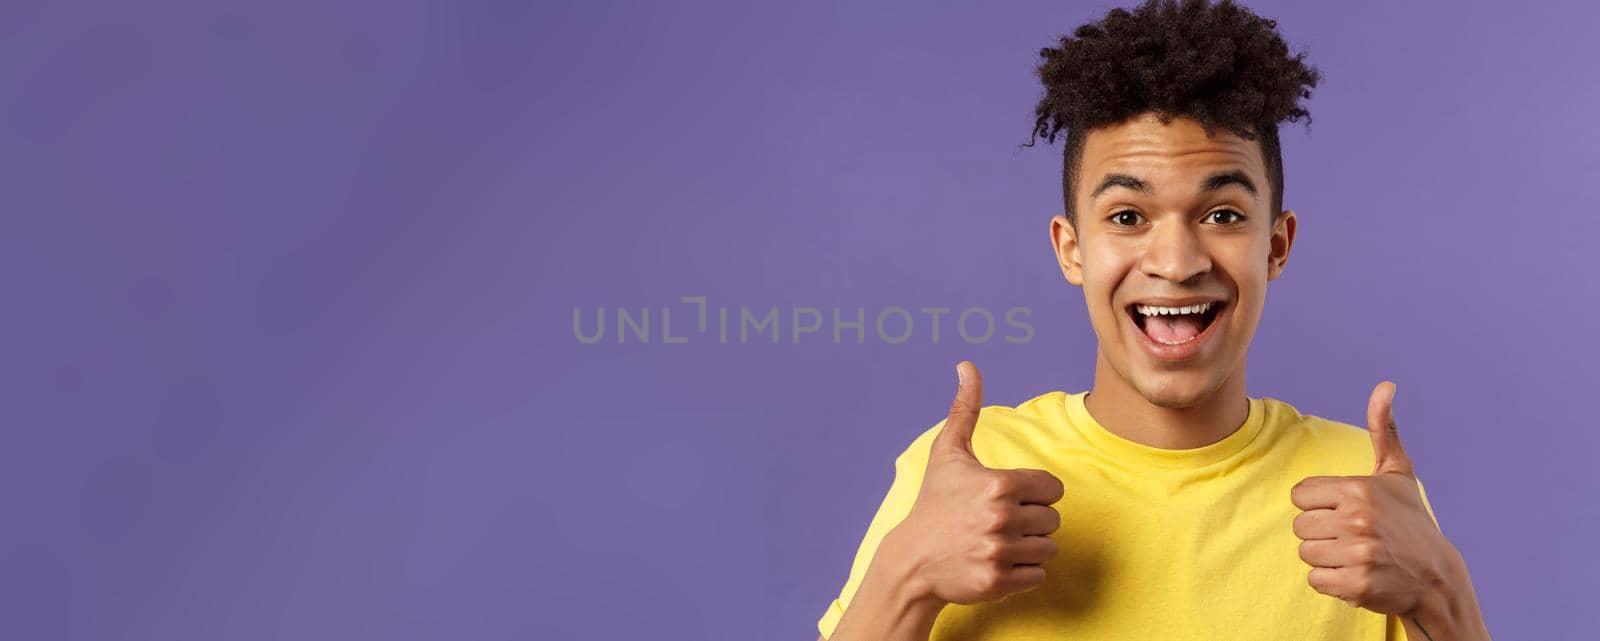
x=1366 y=552
x=1360 y=523
x=987 y=580
x=993 y=520
x=990 y=549
x=1359 y=490
x=1000 y=486
x=1361 y=585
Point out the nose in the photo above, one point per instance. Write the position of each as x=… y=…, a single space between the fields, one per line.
x=1175 y=253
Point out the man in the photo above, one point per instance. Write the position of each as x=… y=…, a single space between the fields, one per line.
x=1163 y=503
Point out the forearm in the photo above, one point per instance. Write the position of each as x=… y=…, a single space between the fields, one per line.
x=1450 y=611
x=889 y=605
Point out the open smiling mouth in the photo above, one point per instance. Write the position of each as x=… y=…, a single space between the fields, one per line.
x=1175 y=325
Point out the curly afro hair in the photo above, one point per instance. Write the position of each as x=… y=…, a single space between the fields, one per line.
x=1219 y=64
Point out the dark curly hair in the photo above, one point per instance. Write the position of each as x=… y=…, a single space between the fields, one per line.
x=1220 y=64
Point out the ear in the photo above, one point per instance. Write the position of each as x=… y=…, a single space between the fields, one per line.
x=1282 y=240
x=1065 y=240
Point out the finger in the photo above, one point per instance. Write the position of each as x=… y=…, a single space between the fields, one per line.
x=956 y=436
x=1342 y=583
x=1035 y=520
x=1316 y=492
x=1388 y=455
x=1335 y=553
x=1031 y=550
x=1037 y=487
x=1018 y=578
x=1312 y=525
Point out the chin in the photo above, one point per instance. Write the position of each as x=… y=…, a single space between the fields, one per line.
x=1176 y=390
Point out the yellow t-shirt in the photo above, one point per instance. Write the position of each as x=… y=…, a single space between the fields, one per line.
x=1154 y=544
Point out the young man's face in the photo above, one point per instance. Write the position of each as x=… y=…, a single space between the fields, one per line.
x=1166 y=217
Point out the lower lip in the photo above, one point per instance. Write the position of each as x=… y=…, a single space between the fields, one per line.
x=1182 y=351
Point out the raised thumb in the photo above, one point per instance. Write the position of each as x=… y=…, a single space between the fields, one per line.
x=956 y=436
x=1388 y=454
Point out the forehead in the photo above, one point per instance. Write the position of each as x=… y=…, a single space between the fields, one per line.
x=1146 y=148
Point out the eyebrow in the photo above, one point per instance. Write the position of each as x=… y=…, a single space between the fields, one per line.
x=1235 y=177
x=1210 y=183
x=1121 y=180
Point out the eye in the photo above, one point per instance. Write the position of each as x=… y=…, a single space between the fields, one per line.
x=1229 y=216
x=1125 y=218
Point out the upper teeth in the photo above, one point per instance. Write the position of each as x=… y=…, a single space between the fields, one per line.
x=1154 y=310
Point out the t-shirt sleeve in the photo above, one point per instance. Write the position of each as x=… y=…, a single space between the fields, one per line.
x=908 y=469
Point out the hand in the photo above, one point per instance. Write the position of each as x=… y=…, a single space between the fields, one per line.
x=977 y=534
x=1369 y=539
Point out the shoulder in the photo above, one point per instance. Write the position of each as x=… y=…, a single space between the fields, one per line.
x=1341 y=447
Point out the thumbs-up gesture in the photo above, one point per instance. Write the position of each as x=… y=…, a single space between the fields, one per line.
x=977 y=534
x=1369 y=539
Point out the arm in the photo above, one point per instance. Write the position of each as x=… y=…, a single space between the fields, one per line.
x=890 y=605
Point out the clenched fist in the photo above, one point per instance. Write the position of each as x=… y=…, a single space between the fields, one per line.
x=977 y=534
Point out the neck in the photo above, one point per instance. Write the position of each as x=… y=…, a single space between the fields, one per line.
x=1122 y=410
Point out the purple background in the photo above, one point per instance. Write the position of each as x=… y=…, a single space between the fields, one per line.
x=288 y=299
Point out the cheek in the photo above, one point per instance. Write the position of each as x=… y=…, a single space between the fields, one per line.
x=1104 y=268
x=1103 y=273
x=1246 y=265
